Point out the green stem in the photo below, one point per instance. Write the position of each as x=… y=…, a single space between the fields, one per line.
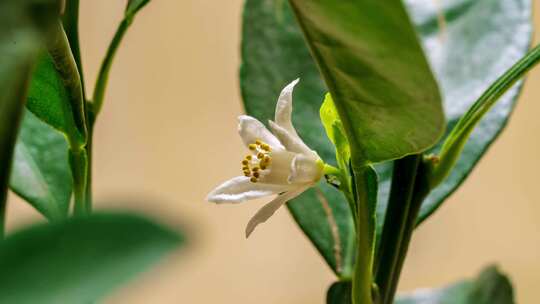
x=103 y=76
x=70 y=20
x=78 y=161
x=401 y=193
x=454 y=143
x=89 y=149
x=421 y=190
x=362 y=277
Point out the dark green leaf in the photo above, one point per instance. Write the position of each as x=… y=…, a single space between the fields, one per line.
x=490 y=287
x=79 y=260
x=133 y=6
x=41 y=172
x=375 y=69
x=499 y=34
x=273 y=54
x=481 y=40
x=339 y=293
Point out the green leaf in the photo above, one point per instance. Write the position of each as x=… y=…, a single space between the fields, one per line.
x=273 y=54
x=48 y=98
x=133 y=6
x=375 y=69
x=490 y=287
x=481 y=40
x=79 y=260
x=336 y=133
x=41 y=172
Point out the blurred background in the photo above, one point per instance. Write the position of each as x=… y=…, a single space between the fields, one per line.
x=167 y=136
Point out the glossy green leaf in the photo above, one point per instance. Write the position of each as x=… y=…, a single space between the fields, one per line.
x=490 y=287
x=41 y=172
x=79 y=260
x=481 y=40
x=374 y=67
x=268 y=65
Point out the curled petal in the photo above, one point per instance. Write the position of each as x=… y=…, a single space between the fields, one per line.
x=251 y=129
x=291 y=142
x=240 y=189
x=269 y=209
x=305 y=169
x=284 y=108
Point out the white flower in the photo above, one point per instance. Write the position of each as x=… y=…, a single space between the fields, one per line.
x=279 y=163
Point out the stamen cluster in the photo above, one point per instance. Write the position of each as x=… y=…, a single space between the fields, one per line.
x=259 y=160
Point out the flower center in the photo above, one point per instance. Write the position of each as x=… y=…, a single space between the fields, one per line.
x=259 y=160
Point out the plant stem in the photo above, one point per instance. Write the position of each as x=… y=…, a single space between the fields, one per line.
x=89 y=150
x=78 y=161
x=70 y=20
x=362 y=277
x=103 y=76
x=421 y=190
x=401 y=193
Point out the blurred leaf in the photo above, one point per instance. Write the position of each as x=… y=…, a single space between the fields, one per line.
x=41 y=172
x=490 y=287
x=18 y=49
x=481 y=40
x=273 y=54
x=79 y=260
x=375 y=69
x=133 y=6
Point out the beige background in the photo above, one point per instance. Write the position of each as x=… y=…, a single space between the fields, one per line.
x=168 y=135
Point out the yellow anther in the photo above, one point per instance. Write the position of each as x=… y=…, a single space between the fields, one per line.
x=263 y=166
x=247 y=174
x=253 y=179
x=248 y=157
x=245 y=168
x=252 y=146
x=258 y=142
x=267 y=159
x=255 y=169
x=245 y=162
x=265 y=147
x=260 y=155
x=256 y=174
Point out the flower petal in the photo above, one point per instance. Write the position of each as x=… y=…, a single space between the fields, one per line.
x=284 y=108
x=291 y=142
x=269 y=209
x=251 y=129
x=239 y=189
x=305 y=169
